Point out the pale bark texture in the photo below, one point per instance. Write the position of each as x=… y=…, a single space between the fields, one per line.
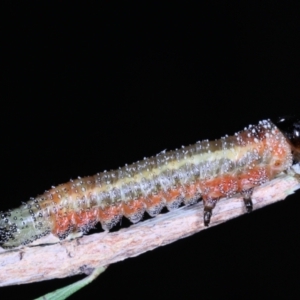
x=68 y=258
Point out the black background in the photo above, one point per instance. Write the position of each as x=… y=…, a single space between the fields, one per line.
x=90 y=86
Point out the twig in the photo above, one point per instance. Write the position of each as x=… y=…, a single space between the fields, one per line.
x=68 y=258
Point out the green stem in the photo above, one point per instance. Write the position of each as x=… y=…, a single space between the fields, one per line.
x=67 y=291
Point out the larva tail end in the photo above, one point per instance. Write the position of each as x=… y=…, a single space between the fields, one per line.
x=5 y=236
x=290 y=127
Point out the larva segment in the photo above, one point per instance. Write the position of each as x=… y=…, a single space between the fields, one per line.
x=209 y=170
x=134 y=209
x=175 y=197
x=109 y=216
x=192 y=193
x=154 y=204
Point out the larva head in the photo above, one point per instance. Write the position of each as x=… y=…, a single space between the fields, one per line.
x=290 y=127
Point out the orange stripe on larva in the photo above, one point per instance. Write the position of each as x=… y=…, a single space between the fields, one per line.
x=209 y=170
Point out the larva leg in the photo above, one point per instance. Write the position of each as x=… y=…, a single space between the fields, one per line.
x=247 y=199
x=209 y=205
x=74 y=235
x=207 y=215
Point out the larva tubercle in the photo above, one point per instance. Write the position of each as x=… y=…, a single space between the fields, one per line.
x=209 y=170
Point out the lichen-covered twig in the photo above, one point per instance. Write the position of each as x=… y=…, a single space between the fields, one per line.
x=61 y=259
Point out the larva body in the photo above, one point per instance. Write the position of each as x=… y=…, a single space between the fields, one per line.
x=209 y=170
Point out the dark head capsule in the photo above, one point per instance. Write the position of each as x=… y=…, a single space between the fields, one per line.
x=290 y=127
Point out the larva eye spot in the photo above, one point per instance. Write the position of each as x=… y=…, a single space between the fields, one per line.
x=277 y=163
x=290 y=127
